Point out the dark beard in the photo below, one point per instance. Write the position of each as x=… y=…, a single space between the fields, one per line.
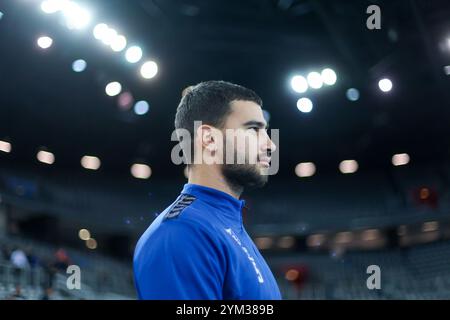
x=240 y=176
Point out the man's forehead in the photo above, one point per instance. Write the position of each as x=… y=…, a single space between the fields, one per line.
x=246 y=111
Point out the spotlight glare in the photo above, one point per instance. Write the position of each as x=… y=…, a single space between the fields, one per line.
x=315 y=240
x=430 y=226
x=328 y=76
x=113 y=88
x=133 y=54
x=304 y=105
x=125 y=100
x=400 y=159
x=286 y=242
x=447 y=70
x=45 y=157
x=76 y=16
x=5 y=146
x=149 y=69
x=51 y=6
x=299 y=84
x=264 y=243
x=100 y=30
x=141 y=107
x=45 y=42
x=119 y=43
x=91 y=243
x=84 y=234
x=315 y=80
x=108 y=36
x=370 y=235
x=141 y=171
x=79 y=65
x=385 y=85
x=305 y=169
x=292 y=275
x=348 y=166
x=352 y=94
x=90 y=162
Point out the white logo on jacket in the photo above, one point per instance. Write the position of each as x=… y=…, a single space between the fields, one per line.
x=252 y=260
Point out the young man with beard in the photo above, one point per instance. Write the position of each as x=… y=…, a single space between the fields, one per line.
x=198 y=247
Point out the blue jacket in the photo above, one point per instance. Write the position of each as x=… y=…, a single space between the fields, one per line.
x=198 y=249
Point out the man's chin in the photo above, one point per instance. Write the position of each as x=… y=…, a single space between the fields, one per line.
x=259 y=177
x=246 y=176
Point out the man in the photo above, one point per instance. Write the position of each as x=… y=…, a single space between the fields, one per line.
x=198 y=247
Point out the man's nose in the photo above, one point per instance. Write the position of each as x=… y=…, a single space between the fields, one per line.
x=268 y=144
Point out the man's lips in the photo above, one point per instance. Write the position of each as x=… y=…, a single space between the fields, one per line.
x=264 y=161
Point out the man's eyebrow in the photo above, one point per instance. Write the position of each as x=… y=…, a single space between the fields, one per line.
x=258 y=124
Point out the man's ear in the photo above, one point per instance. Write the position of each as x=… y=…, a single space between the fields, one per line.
x=207 y=137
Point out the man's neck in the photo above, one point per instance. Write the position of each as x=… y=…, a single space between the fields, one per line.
x=215 y=180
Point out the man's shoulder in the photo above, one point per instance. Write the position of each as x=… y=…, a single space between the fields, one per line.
x=187 y=216
x=186 y=212
x=184 y=203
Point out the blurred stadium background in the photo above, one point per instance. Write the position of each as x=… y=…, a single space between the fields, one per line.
x=88 y=91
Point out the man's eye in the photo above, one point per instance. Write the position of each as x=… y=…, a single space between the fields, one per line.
x=254 y=128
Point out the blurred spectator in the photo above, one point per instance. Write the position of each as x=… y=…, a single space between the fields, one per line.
x=33 y=260
x=2 y=254
x=50 y=271
x=62 y=260
x=20 y=263
x=19 y=260
x=47 y=294
x=17 y=295
x=6 y=252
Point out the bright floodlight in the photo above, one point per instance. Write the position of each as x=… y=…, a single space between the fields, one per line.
x=315 y=240
x=76 y=16
x=133 y=54
x=118 y=43
x=45 y=157
x=79 y=65
x=430 y=226
x=149 y=69
x=304 y=105
x=100 y=30
x=84 y=234
x=385 y=85
x=141 y=171
x=108 y=36
x=305 y=169
x=400 y=159
x=352 y=94
x=5 y=146
x=141 y=107
x=91 y=243
x=370 y=235
x=113 y=88
x=90 y=162
x=299 y=84
x=447 y=70
x=1 y=15
x=45 y=42
x=51 y=6
x=125 y=100
x=348 y=166
x=315 y=80
x=328 y=76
